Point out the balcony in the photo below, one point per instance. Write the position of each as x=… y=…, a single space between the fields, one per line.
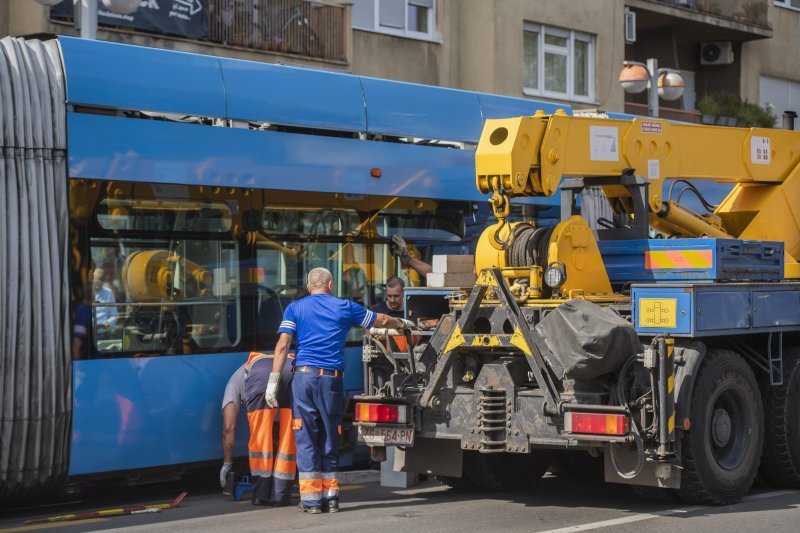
x=306 y=28
x=311 y=29
x=715 y=20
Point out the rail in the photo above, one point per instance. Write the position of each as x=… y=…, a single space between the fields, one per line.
x=302 y=27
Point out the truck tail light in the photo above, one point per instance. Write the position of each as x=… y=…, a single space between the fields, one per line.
x=596 y=423
x=381 y=412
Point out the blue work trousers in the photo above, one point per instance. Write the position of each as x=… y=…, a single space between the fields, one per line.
x=317 y=406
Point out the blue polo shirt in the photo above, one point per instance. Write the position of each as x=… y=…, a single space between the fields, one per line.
x=320 y=323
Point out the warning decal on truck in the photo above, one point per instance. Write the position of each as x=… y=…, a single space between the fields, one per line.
x=651 y=127
x=603 y=143
x=760 y=153
x=658 y=313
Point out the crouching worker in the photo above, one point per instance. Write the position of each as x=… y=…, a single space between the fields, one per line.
x=272 y=470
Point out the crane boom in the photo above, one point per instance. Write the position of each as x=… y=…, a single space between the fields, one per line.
x=529 y=156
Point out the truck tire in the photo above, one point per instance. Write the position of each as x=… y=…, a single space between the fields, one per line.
x=721 y=451
x=505 y=471
x=780 y=462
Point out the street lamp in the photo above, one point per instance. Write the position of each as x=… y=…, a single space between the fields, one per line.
x=667 y=83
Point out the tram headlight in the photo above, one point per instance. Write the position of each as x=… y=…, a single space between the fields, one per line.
x=555 y=275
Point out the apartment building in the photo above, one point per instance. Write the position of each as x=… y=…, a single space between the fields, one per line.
x=568 y=51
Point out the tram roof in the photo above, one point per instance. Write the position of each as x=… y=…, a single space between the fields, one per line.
x=119 y=76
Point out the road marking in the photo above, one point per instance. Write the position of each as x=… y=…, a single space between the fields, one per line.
x=661 y=514
x=50 y=525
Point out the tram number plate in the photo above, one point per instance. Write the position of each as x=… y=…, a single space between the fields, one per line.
x=382 y=436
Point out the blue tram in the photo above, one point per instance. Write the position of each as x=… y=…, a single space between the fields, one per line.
x=168 y=207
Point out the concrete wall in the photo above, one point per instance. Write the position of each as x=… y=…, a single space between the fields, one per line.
x=481 y=46
x=777 y=57
x=25 y=17
x=5 y=15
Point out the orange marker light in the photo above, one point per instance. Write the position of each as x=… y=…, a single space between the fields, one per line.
x=375 y=172
x=596 y=423
x=378 y=412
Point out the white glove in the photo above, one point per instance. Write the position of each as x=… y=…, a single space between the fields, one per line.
x=400 y=248
x=271 y=396
x=408 y=324
x=223 y=474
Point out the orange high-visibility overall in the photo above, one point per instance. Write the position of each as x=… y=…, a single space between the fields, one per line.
x=272 y=470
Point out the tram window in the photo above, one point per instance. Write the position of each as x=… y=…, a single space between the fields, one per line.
x=178 y=215
x=282 y=270
x=310 y=222
x=422 y=220
x=165 y=297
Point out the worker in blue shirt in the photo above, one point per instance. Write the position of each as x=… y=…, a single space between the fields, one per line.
x=320 y=322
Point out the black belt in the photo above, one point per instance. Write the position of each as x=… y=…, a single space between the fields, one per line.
x=320 y=371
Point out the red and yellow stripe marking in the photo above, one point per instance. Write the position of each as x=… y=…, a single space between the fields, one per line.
x=668 y=259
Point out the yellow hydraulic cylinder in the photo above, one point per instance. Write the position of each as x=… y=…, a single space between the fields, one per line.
x=674 y=219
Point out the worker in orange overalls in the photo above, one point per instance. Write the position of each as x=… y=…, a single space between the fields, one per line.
x=272 y=471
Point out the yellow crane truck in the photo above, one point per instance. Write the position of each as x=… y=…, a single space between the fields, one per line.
x=662 y=338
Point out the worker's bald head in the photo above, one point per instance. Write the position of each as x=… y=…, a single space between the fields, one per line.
x=320 y=280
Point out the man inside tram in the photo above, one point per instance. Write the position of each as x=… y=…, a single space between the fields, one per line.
x=105 y=316
x=394 y=304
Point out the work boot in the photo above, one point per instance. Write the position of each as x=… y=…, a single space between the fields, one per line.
x=331 y=506
x=313 y=509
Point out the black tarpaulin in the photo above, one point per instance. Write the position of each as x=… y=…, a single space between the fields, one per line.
x=587 y=341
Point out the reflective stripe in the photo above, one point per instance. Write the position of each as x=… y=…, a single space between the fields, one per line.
x=313 y=496
x=367 y=319
x=283 y=475
x=261 y=473
x=288 y=324
x=286 y=456
x=262 y=455
x=310 y=475
x=330 y=493
x=330 y=475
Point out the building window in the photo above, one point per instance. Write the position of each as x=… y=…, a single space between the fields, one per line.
x=407 y=18
x=791 y=4
x=558 y=63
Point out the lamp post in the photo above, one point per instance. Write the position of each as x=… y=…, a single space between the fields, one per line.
x=667 y=83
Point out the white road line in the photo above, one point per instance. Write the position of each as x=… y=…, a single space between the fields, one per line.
x=660 y=514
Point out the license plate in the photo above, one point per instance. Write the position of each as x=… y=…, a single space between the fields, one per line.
x=382 y=436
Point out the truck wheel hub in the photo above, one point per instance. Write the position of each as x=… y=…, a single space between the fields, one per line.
x=721 y=427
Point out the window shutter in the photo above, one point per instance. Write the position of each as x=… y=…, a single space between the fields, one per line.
x=393 y=13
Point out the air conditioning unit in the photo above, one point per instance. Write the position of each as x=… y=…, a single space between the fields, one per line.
x=630 y=26
x=720 y=53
